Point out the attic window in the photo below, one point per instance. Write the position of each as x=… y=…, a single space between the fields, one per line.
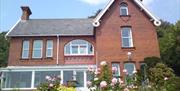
x=123 y=9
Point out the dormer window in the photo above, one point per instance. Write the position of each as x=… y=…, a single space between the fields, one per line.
x=123 y=9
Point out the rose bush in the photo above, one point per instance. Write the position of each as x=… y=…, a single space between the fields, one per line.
x=103 y=79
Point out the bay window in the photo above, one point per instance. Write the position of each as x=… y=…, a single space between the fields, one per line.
x=78 y=47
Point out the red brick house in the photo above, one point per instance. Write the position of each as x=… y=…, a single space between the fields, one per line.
x=122 y=34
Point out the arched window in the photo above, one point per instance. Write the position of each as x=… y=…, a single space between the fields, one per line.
x=123 y=9
x=79 y=47
x=130 y=67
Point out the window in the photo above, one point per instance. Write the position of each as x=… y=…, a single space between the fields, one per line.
x=67 y=76
x=37 y=49
x=41 y=75
x=17 y=79
x=130 y=67
x=126 y=34
x=117 y=72
x=78 y=47
x=80 y=78
x=25 y=49
x=49 y=48
x=123 y=9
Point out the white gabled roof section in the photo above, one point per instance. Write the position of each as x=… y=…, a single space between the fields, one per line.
x=156 y=21
x=96 y=22
x=12 y=27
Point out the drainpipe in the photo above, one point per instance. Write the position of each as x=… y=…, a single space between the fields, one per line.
x=57 y=59
x=96 y=59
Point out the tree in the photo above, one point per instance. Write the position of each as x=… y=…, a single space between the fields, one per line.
x=97 y=12
x=4 y=48
x=169 y=41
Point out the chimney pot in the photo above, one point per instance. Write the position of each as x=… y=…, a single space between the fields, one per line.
x=26 y=12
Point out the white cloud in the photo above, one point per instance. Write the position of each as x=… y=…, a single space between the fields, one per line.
x=147 y=2
x=94 y=2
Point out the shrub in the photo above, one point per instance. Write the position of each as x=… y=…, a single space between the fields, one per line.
x=53 y=84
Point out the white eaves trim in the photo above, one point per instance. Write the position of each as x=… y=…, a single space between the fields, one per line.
x=156 y=21
x=12 y=27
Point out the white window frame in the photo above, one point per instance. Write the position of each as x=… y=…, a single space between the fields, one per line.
x=124 y=6
x=118 y=69
x=41 y=49
x=130 y=38
x=34 y=70
x=25 y=49
x=78 y=46
x=49 y=48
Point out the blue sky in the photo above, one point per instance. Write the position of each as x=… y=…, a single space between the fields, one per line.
x=10 y=11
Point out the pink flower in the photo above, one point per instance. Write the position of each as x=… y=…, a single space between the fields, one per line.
x=165 y=78
x=120 y=81
x=103 y=63
x=114 y=69
x=114 y=81
x=51 y=85
x=96 y=72
x=91 y=68
x=89 y=83
x=126 y=89
x=103 y=84
x=124 y=70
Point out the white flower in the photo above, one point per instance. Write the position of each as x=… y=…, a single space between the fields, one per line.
x=93 y=88
x=96 y=72
x=134 y=72
x=126 y=89
x=89 y=83
x=124 y=70
x=48 y=78
x=165 y=78
x=120 y=81
x=103 y=63
x=95 y=79
x=51 y=85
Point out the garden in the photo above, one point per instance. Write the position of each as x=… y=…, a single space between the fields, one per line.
x=155 y=76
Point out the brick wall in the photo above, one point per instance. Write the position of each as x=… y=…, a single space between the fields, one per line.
x=108 y=40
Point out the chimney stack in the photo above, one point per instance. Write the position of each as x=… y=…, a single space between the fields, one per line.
x=26 y=12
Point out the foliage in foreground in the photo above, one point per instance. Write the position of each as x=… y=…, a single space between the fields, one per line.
x=53 y=84
x=159 y=79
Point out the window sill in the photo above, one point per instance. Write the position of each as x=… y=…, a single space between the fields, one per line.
x=49 y=58
x=78 y=55
x=36 y=58
x=125 y=15
x=24 y=58
x=128 y=48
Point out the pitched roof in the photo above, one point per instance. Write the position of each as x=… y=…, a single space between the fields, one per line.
x=156 y=21
x=53 y=27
